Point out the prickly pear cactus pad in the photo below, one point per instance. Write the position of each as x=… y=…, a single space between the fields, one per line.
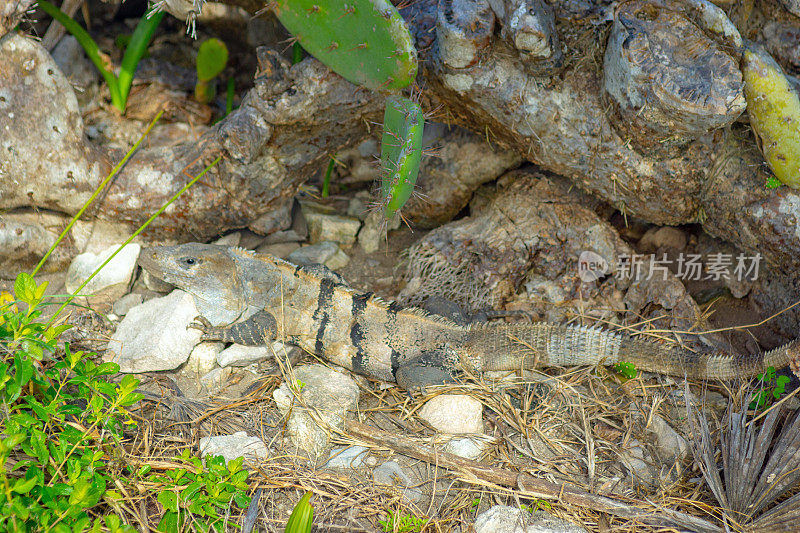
x=401 y=151
x=364 y=41
x=774 y=109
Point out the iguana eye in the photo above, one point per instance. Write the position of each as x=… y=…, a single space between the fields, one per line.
x=189 y=261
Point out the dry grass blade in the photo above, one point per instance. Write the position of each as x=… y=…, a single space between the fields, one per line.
x=185 y=414
x=528 y=486
x=758 y=468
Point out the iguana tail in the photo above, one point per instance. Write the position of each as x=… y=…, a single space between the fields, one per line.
x=513 y=346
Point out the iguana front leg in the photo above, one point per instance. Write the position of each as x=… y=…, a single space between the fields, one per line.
x=258 y=330
x=429 y=368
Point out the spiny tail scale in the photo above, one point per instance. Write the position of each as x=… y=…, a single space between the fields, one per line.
x=512 y=346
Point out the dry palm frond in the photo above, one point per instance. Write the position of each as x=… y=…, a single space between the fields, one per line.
x=758 y=467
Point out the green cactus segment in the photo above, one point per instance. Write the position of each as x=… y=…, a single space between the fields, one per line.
x=364 y=41
x=401 y=151
x=211 y=60
x=774 y=110
x=212 y=56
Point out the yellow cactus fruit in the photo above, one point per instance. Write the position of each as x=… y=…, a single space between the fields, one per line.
x=774 y=110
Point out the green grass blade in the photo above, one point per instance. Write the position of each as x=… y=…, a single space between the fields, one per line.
x=326 y=183
x=97 y=192
x=229 y=95
x=302 y=517
x=90 y=47
x=140 y=40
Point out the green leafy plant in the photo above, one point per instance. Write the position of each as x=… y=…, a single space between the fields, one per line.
x=537 y=504
x=211 y=60
x=368 y=43
x=402 y=523
x=118 y=86
x=62 y=424
x=302 y=516
x=202 y=491
x=771 y=387
x=61 y=420
x=626 y=370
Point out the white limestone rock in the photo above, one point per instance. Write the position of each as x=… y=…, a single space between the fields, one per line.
x=233 y=446
x=350 y=457
x=215 y=379
x=392 y=474
x=328 y=396
x=466 y=447
x=327 y=227
x=155 y=336
x=453 y=413
x=325 y=253
x=507 y=519
x=113 y=280
x=203 y=358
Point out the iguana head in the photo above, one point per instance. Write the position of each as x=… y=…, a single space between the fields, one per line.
x=206 y=271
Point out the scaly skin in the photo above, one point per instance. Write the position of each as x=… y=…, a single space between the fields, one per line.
x=314 y=308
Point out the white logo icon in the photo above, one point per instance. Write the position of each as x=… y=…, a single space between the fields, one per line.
x=591 y=266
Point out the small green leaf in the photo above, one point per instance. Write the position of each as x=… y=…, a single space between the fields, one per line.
x=23 y=486
x=780 y=386
x=106 y=369
x=234 y=465
x=241 y=499
x=25 y=287
x=169 y=500
x=191 y=490
x=20 y=509
x=79 y=526
x=38 y=444
x=169 y=523
x=54 y=332
x=113 y=522
x=85 y=493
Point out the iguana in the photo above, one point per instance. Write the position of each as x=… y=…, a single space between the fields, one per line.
x=251 y=299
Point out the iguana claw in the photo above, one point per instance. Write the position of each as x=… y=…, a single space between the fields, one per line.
x=210 y=333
